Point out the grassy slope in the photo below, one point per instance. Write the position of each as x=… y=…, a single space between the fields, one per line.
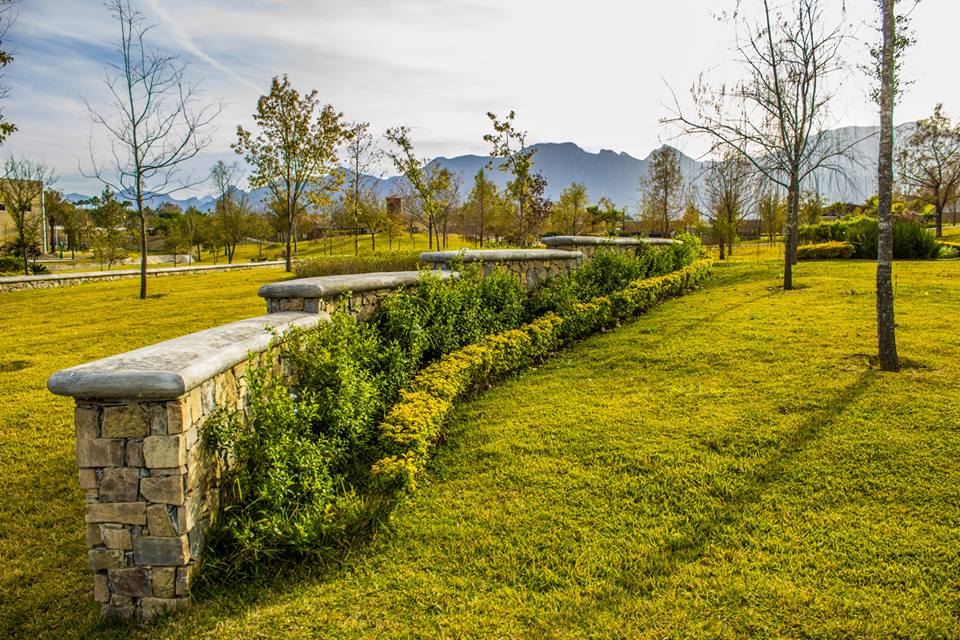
x=728 y=465
x=43 y=574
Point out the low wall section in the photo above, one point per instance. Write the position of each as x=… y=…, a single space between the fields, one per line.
x=589 y=245
x=151 y=489
x=19 y=283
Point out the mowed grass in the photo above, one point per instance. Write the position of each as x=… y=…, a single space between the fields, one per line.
x=44 y=581
x=337 y=246
x=730 y=465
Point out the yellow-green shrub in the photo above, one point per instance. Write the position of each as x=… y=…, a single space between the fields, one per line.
x=825 y=251
x=414 y=424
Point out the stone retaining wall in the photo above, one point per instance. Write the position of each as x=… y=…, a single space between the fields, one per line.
x=590 y=245
x=20 y=283
x=361 y=292
x=151 y=488
x=530 y=265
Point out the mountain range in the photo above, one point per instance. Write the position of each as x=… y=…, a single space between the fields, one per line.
x=616 y=175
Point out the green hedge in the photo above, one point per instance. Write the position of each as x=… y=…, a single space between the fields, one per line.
x=825 y=251
x=413 y=426
x=911 y=239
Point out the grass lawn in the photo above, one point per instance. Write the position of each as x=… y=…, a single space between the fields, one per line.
x=338 y=246
x=732 y=464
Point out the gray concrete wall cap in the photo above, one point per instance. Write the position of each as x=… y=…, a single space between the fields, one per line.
x=169 y=369
x=586 y=241
x=329 y=286
x=499 y=255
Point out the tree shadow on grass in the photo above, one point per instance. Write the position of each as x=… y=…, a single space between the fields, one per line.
x=690 y=549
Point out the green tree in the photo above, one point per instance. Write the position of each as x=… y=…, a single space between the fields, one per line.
x=811 y=207
x=429 y=182
x=75 y=222
x=294 y=154
x=110 y=217
x=772 y=211
x=20 y=190
x=570 y=215
x=510 y=144
x=7 y=17
x=929 y=163
x=480 y=206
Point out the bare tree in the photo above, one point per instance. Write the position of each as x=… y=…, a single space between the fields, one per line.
x=232 y=208
x=662 y=190
x=362 y=156
x=731 y=194
x=155 y=122
x=20 y=189
x=929 y=163
x=887 y=59
x=777 y=116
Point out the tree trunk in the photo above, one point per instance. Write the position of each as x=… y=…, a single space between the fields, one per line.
x=143 y=247
x=373 y=243
x=289 y=261
x=939 y=220
x=886 y=327
x=723 y=255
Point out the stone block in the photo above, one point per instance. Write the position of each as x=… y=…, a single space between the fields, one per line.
x=159 y=523
x=161 y=552
x=125 y=421
x=119 y=484
x=101 y=588
x=87 y=479
x=134 y=582
x=117 y=512
x=116 y=537
x=157 y=419
x=94 y=539
x=164 y=452
x=101 y=559
x=178 y=416
x=99 y=452
x=164 y=490
x=151 y=608
x=134 y=453
x=87 y=420
x=189 y=514
x=164 y=581
x=185 y=577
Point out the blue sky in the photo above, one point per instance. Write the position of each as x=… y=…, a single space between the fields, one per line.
x=596 y=73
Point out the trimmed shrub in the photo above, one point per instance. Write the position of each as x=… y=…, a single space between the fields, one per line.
x=911 y=239
x=414 y=425
x=825 y=251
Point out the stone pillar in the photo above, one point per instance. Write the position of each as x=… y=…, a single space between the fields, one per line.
x=148 y=497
